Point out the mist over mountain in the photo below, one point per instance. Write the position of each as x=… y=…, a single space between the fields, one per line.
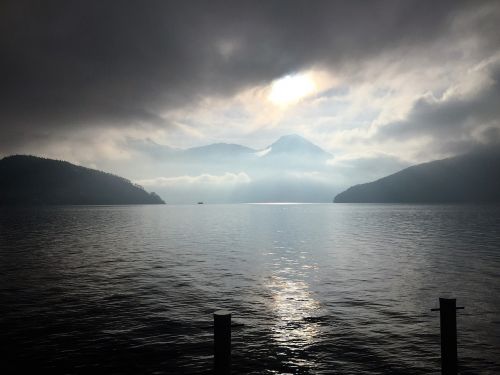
x=30 y=180
x=469 y=178
x=290 y=169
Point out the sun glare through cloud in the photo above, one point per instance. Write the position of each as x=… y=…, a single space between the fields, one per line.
x=291 y=88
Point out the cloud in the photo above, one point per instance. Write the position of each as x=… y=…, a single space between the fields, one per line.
x=465 y=116
x=100 y=65
x=227 y=179
x=350 y=169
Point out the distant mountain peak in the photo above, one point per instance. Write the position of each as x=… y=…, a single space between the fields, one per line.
x=218 y=151
x=223 y=147
x=292 y=138
x=295 y=144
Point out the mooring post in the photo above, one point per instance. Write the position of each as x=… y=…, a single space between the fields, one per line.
x=448 y=322
x=222 y=342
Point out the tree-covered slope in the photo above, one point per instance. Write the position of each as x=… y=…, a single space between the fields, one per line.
x=470 y=178
x=30 y=180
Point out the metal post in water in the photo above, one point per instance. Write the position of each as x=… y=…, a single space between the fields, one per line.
x=222 y=342
x=448 y=322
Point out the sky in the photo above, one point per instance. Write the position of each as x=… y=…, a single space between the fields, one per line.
x=377 y=84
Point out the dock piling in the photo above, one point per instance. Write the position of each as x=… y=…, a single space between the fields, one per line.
x=222 y=342
x=448 y=322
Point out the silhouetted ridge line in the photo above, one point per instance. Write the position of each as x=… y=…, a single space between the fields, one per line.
x=469 y=178
x=31 y=180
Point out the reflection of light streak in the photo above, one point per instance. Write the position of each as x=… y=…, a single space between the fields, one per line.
x=292 y=302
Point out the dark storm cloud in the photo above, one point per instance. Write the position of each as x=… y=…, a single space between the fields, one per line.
x=67 y=64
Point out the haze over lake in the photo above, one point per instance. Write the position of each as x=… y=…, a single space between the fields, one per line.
x=314 y=289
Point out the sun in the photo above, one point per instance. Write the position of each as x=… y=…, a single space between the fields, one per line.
x=290 y=89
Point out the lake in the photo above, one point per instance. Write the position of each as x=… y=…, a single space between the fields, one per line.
x=313 y=288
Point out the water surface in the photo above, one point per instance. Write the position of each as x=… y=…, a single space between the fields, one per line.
x=314 y=289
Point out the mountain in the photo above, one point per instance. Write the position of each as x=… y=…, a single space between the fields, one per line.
x=218 y=151
x=288 y=146
x=294 y=145
x=290 y=169
x=470 y=178
x=30 y=180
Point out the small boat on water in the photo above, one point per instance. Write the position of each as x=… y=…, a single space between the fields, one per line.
x=200 y=202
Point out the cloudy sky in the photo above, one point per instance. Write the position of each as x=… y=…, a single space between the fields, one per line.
x=100 y=82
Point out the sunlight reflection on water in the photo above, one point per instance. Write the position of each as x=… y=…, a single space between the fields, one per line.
x=293 y=304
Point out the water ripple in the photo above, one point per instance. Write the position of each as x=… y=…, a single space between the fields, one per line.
x=323 y=289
